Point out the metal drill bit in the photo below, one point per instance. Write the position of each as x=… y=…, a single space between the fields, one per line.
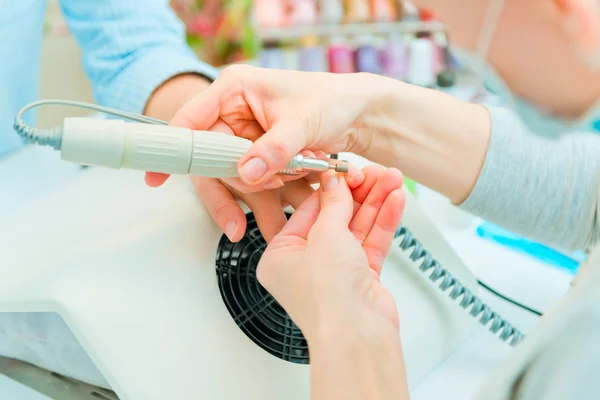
x=300 y=164
x=341 y=168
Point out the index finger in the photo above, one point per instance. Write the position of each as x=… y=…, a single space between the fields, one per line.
x=201 y=111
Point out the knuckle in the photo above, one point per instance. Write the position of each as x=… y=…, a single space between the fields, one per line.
x=376 y=252
x=219 y=209
x=280 y=151
x=234 y=71
x=360 y=234
x=203 y=186
x=334 y=201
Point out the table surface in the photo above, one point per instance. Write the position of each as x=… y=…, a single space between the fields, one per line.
x=35 y=170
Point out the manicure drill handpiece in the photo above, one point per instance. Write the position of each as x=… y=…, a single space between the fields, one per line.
x=300 y=164
x=166 y=149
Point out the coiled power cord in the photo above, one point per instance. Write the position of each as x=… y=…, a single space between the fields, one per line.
x=53 y=137
x=456 y=291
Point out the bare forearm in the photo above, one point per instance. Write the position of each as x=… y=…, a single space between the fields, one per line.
x=349 y=363
x=171 y=95
x=431 y=137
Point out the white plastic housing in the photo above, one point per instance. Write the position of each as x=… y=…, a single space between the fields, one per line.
x=155 y=148
x=132 y=272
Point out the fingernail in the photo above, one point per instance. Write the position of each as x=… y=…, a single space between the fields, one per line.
x=357 y=176
x=231 y=229
x=253 y=170
x=273 y=184
x=330 y=180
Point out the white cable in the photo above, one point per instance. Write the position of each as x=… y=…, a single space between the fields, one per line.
x=52 y=137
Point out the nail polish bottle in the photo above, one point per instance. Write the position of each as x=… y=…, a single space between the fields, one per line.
x=421 y=63
x=409 y=12
x=332 y=11
x=357 y=10
x=438 y=57
x=269 y=13
x=384 y=10
x=447 y=76
x=366 y=56
x=394 y=57
x=291 y=59
x=272 y=57
x=340 y=56
x=301 y=12
x=312 y=56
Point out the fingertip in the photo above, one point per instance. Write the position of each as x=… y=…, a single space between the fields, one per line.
x=308 y=153
x=372 y=173
x=155 y=179
x=396 y=177
x=355 y=177
x=253 y=170
x=398 y=198
x=232 y=222
x=271 y=153
x=333 y=181
x=273 y=183
x=373 y=169
x=236 y=228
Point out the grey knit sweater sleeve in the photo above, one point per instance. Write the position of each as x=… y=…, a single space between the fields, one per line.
x=547 y=189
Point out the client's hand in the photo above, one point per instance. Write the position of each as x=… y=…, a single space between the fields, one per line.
x=324 y=266
x=219 y=198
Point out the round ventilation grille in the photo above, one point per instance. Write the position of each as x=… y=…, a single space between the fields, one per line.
x=253 y=309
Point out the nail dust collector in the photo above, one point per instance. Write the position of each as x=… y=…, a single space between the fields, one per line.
x=168 y=308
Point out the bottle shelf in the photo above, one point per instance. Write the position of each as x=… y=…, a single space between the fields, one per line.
x=348 y=29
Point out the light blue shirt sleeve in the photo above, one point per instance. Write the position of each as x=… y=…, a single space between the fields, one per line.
x=130 y=47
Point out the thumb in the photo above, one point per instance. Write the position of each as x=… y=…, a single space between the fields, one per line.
x=270 y=153
x=337 y=204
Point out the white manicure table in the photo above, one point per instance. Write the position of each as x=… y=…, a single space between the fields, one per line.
x=469 y=358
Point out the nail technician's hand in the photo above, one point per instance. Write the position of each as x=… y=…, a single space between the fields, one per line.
x=324 y=266
x=220 y=198
x=298 y=110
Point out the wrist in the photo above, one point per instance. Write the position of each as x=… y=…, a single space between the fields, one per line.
x=172 y=94
x=364 y=326
x=431 y=137
x=357 y=360
x=376 y=93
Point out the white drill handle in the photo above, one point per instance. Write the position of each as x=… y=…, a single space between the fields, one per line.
x=155 y=148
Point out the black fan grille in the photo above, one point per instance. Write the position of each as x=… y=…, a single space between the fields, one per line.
x=253 y=309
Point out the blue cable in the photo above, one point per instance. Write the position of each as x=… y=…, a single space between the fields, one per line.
x=543 y=253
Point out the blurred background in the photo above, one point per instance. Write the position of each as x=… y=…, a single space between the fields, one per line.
x=389 y=37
